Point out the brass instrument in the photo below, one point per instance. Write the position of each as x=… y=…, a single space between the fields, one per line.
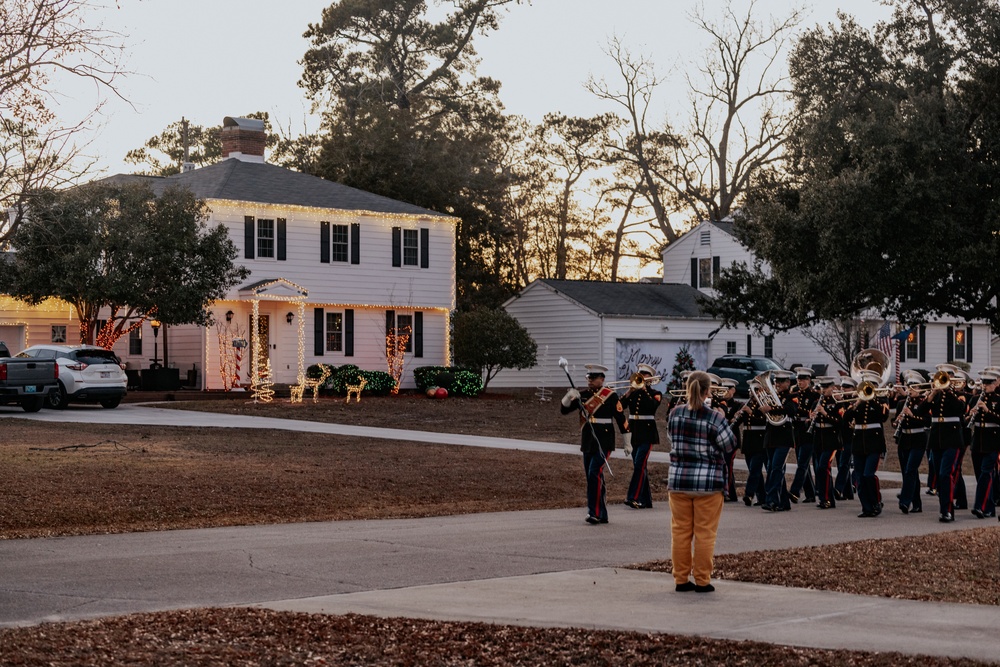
x=762 y=390
x=635 y=381
x=871 y=369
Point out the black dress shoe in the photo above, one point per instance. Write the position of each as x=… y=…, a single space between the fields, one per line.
x=838 y=495
x=811 y=499
x=793 y=498
x=978 y=514
x=904 y=509
x=707 y=588
x=768 y=508
x=747 y=500
x=916 y=510
x=946 y=517
x=757 y=503
x=931 y=492
x=866 y=515
x=686 y=586
x=592 y=519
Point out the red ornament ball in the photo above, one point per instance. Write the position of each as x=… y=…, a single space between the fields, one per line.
x=441 y=393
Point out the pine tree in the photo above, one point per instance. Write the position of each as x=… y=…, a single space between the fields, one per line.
x=682 y=362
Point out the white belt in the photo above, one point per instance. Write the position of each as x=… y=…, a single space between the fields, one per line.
x=598 y=420
x=942 y=420
x=822 y=425
x=756 y=428
x=987 y=425
x=644 y=417
x=866 y=427
x=914 y=430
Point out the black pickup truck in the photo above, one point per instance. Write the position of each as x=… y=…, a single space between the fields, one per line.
x=26 y=382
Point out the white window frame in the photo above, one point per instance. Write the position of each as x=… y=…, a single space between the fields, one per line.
x=338 y=246
x=414 y=248
x=263 y=240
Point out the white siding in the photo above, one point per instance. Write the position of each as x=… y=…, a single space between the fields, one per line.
x=374 y=281
x=562 y=326
x=678 y=255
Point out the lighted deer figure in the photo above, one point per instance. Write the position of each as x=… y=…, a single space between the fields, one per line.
x=310 y=383
x=356 y=390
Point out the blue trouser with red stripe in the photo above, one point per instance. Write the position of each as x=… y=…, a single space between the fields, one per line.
x=986 y=480
x=755 y=479
x=948 y=469
x=597 y=493
x=824 y=477
x=638 y=488
x=868 y=489
x=909 y=497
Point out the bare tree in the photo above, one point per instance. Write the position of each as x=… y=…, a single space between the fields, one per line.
x=842 y=339
x=739 y=116
x=644 y=153
x=41 y=43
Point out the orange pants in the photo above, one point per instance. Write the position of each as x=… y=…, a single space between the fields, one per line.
x=694 y=521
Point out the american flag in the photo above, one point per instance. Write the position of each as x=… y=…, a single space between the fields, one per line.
x=883 y=339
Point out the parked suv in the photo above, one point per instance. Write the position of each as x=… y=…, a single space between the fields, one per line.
x=742 y=368
x=87 y=374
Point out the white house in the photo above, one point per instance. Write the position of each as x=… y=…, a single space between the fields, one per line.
x=621 y=324
x=333 y=271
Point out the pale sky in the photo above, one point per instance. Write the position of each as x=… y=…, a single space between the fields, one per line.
x=207 y=59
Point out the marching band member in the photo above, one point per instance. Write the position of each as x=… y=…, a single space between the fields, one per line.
x=778 y=440
x=752 y=444
x=911 y=440
x=603 y=410
x=868 y=447
x=946 y=411
x=730 y=407
x=642 y=404
x=825 y=420
x=985 y=421
x=843 y=485
x=808 y=397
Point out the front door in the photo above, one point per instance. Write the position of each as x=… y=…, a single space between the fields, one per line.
x=13 y=337
x=264 y=337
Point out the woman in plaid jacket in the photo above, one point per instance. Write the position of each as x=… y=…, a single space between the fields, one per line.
x=701 y=439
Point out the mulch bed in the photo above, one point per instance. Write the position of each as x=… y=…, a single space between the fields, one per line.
x=961 y=566
x=249 y=637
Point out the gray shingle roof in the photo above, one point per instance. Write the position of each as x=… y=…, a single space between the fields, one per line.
x=270 y=184
x=633 y=299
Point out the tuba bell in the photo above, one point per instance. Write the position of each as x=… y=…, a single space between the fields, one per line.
x=762 y=390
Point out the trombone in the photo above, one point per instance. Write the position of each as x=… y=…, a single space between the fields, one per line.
x=635 y=381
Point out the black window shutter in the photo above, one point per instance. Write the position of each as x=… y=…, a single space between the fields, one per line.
x=324 y=242
x=397 y=247
x=390 y=324
x=249 y=237
x=318 y=324
x=425 y=250
x=418 y=334
x=716 y=270
x=694 y=274
x=749 y=345
x=282 y=245
x=951 y=346
x=920 y=344
x=968 y=343
x=355 y=243
x=349 y=332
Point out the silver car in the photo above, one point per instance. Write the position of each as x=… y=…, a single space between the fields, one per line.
x=87 y=374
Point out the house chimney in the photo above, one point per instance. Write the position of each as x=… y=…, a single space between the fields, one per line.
x=243 y=139
x=186 y=165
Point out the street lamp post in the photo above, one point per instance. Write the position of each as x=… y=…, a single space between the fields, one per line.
x=156 y=334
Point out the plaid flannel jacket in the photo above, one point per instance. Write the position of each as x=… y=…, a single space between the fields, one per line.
x=700 y=440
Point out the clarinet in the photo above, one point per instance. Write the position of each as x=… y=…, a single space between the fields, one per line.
x=812 y=422
x=900 y=419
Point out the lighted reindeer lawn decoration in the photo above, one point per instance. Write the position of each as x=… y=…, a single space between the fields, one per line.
x=356 y=390
x=310 y=383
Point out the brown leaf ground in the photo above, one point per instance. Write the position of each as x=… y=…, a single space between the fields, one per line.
x=250 y=637
x=117 y=479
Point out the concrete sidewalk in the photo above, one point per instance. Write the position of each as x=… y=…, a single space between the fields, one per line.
x=618 y=599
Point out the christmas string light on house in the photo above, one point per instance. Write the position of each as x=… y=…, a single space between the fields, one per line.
x=395 y=354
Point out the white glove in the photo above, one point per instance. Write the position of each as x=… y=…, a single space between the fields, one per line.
x=570 y=396
x=627 y=437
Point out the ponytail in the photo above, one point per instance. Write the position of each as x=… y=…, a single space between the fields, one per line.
x=698 y=385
